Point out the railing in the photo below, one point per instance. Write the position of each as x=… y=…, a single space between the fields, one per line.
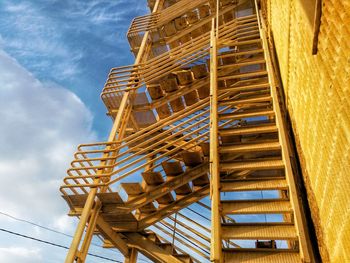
x=196 y=236
x=164 y=140
x=159 y=142
x=153 y=21
x=122 y=79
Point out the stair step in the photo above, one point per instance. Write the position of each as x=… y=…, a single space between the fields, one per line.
x=243 y=115
x=165 y=199
x=235 y=102
x=148 y=209
x=152 y=178
x=250 y=147
x=243 y=63
x=132 y=189
x=253 y=185
x=172 y=168
x=259 y=231
x=183 y=190
x=192 y=159
x=259 y=206
x=245 y=87
x=261 y=256
x=241 y=53
x=245 y=75
x=252 y=165
x=239 y=43
x=249 y=130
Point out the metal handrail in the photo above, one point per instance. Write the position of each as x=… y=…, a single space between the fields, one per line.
x=158 y=67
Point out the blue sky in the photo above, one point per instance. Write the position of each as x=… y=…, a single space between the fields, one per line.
x=54 y=59
x=70 y=43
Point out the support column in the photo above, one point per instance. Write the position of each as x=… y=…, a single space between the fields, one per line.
x=118 y=126
x=89 y=233
x=133 y=256
x=215 y=246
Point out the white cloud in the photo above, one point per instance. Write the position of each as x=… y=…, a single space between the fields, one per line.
x=40 y=39
x=63 y=224
x=20 y=254
x=100 y=11
x=40 y=128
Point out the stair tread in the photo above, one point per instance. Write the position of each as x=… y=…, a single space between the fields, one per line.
x=249 y=114
x=247 y=147
x=240 y=53
x=259 y=206
x=165 y=199
x=252 y=165
x=245 y=87
x=245 y=75
x=132 y=188
x=253 y=185
x=248 y=130
x=172 y=168
x=259 y=231
x=183 y=190
x=244 y=63
x=239 y=43
x=256 y=99
x=152 y=178
x=192 y=158
x=261 y=256
x=79 y=200
x=149 y=208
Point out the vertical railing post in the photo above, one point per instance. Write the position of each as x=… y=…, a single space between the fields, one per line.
x=215 y=253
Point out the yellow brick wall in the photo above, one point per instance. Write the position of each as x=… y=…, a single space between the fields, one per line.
x=317 y=91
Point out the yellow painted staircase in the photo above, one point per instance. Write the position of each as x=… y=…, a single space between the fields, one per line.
x=197 y=165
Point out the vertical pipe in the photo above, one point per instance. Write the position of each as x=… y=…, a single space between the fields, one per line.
x=174 y=233
x=71 y=256
x=133 y=256
x=215 y=247
x=89 y=233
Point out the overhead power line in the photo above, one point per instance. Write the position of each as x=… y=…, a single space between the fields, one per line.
x=54 y=244
x=41 y=226
x=35 y=224
x=49 y=229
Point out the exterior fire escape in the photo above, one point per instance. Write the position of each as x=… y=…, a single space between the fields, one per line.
x=197 y=166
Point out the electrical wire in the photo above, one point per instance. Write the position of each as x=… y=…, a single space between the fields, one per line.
x=195 y=212
x=54 y=244
x=49 y=229
x=40 y=226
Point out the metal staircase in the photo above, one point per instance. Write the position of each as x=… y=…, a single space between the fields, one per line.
x=196 y=167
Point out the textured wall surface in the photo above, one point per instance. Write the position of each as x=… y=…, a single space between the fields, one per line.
x=317 y=89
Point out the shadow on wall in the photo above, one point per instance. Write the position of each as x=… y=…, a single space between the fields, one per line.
x=309 y=7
